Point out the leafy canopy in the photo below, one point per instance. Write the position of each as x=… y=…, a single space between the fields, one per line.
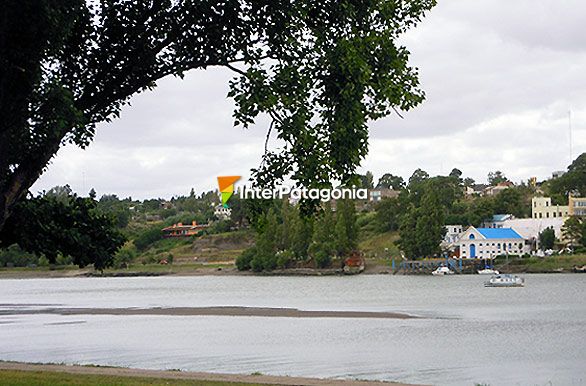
x=320 y=70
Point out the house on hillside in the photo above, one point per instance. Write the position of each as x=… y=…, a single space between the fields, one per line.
x=497 y=221
x=222 y=212
x=180 y=230
x=487 y=243
x=375 y=195
x=452 y=234
x=541 y=207
x=577 y=206
x=494 y=190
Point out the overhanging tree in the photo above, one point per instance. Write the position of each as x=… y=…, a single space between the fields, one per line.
x=320 y=70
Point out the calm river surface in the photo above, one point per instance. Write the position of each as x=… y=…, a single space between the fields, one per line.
x=502 y=336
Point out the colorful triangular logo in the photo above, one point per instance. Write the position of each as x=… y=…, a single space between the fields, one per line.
x=226 y=185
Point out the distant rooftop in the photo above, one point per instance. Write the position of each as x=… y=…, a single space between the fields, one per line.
x=501 y=217
x=499 y=233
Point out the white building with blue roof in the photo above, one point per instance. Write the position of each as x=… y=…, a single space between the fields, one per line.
x=488 y=243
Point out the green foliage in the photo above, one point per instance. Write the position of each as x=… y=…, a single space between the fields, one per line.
x=267 y=244
x=14 y=256
x=71 y=65
x=322 y=259
x=221 y=226
x=117 y=208
x=323 y=241
x=346 y=231
x=366 y=180
x=148 y=237
x=125 y=256
x=422 y=227
x=574 y=181
x=243 y=262
x=284 y=258
x=73 y=228
x=574 y=230
x=495 y=178
x=511 y=201
x=547 y=238
x=390 y=181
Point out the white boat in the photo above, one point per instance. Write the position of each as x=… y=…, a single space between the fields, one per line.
x=488 y=271
x=441 y=271
x=505 y=281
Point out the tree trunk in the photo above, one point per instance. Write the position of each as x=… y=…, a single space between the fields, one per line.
x=23 y=178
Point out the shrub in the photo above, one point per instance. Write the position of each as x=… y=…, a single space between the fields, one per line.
x=256 y=264
x=269 y=262
x=43 y=261
x=284 y=258
x=14 y=256
x=124 y=256
x=322 y=259
x=243 y=262
x=63 y=260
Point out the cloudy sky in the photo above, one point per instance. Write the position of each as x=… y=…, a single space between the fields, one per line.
x=500 y=77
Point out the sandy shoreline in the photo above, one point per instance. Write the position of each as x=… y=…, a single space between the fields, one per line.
x=204 y=311
x=189 y=375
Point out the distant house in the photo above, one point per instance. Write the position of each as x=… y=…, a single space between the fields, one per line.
x=180 y=230
x=541 y=207
x=476 y=189
x=487 y=243
x=222 y=213
x=494 y=190
x=557 y=174
x=577 y=206
x=452 y=235
x=497 y=221
x=375 y=195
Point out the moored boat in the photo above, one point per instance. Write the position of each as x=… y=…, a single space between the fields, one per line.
x=442 y=271
x=505 y=281
x=488 y=271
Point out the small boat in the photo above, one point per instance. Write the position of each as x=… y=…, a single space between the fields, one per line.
x=505 y=281
x=488 y=271
x=442 y=270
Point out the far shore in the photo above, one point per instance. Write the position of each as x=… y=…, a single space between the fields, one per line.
x=554 y=264
x=174 y=375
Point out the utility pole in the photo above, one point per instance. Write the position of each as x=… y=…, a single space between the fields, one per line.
x=570 y=130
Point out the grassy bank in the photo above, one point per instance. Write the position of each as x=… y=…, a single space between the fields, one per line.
x=50 y=378
x=18 y=373
x=563 y=263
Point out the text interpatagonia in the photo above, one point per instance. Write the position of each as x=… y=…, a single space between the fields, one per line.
x=295 y=193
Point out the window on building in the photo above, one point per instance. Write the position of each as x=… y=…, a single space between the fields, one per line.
x=547 y=215
x=540 y=215
x=499 y=245
x=471 y=237
x=554 y=214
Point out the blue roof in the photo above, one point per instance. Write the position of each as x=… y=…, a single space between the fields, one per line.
x=499 y=233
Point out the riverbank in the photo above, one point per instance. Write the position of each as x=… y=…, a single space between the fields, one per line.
x=550 y=264
x=17 y=373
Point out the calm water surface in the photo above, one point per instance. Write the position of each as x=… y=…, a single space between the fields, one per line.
x=502 y=336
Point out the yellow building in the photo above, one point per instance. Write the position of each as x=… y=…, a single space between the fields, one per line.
x=541 y=207
x=577 y=206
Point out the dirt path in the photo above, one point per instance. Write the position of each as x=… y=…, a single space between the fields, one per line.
x=188 y=375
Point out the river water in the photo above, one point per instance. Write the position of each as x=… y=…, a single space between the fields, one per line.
x=469 y=334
